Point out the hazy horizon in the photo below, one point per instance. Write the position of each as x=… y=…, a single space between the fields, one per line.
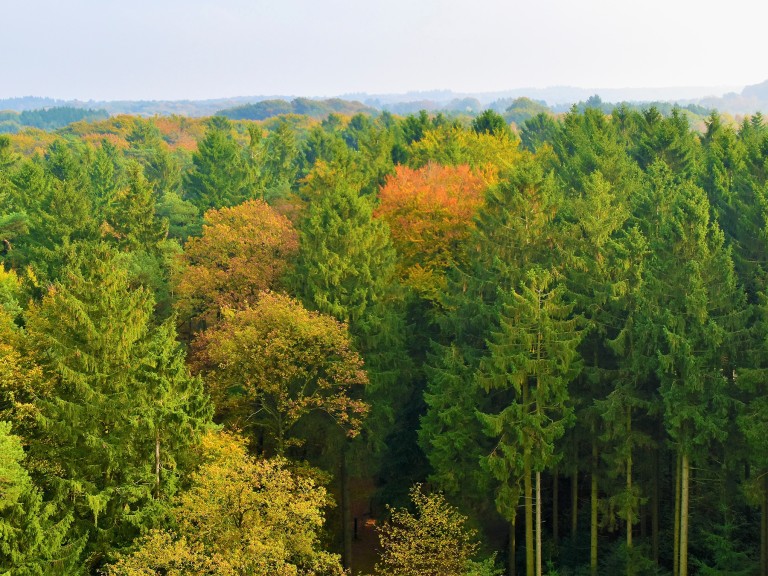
x=197 y=49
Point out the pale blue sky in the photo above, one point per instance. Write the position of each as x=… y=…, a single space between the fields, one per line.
x=174 y=49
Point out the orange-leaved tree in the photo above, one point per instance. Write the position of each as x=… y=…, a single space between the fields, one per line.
x=430 y=212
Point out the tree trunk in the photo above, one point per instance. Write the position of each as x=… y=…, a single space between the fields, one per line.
x=157 y=464
x=529 y=556
x=574 y=503
x=538 y=524
x=555 y=502
x=676 y=535
x=684 y=515
x=655 y=510
x=346 y=510
x=511 y=567
x=764 y=528
x=630 y=503
x=593 y=516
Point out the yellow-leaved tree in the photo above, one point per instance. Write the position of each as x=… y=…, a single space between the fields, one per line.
x=241 y=515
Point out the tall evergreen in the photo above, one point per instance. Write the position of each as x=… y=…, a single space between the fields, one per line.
x=122 y=408
x=691 y=315
x=32 y=541
x=219 y=176
x=346 y=268
x=532 y=360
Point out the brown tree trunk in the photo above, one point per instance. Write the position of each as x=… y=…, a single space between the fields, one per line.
x=684 y=515
x=529 y=551
x=574 y=503
x=555 y=511
x=511 y=568
x=630 y=503
x=593 y=515
x=676 y=534
x=655 y=510
x=538 y=524
x=346 y=510
x=157 y=463
x=764 y=528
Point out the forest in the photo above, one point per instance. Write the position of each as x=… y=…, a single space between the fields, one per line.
x=385 y=345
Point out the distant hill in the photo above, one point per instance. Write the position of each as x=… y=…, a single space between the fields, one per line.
x=558 y=98
x=304 y=106
x=12 y=121
x=758 y=91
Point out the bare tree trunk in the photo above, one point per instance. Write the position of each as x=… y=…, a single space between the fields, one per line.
x=764 y=528
x=555 y=508
x=538 y=524
x=684 y=515
x=630 y=503
x=529 y=556
x=575 y=492
x=593 y=516
x=346 y=510
x=157 y=463
x=676 y=536
x=655 y=510
x=511 y=568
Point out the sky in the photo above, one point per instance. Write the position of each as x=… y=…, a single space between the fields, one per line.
x=199 y=49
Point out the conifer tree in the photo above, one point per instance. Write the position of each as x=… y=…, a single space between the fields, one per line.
x=690 y=314
x=220 y=176
x=122 y=408
x=32 y=541
x=532 y=360
x=131 y=216
x=346 y=268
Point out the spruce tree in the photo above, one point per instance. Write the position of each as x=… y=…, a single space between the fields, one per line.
x=690 y=314
x=532 y=360
x=346 y=268
x=32 y=541
x=220 y=176
x=122 y=408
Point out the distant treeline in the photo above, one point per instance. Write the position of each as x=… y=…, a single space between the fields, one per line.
x=47 y=119
x=303 y=106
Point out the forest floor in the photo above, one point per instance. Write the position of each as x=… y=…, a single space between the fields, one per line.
x=365 y=541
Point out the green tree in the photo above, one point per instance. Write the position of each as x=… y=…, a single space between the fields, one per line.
x=346 y=268
x=490 y=122
x=161 y=168
x=32 y=541
x=220 y=176
x=691 y=312
x=122 y=408
x=131 y=218
x=240 y=515
x=532 y=360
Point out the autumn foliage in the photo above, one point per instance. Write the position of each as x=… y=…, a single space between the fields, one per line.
x=241 y=515
x=243 y=250
x=430 y=212
x=270 y=365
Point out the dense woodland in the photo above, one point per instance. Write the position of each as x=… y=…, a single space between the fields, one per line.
x=537 y=349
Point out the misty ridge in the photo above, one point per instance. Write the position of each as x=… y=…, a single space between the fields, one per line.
x=20 y=112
